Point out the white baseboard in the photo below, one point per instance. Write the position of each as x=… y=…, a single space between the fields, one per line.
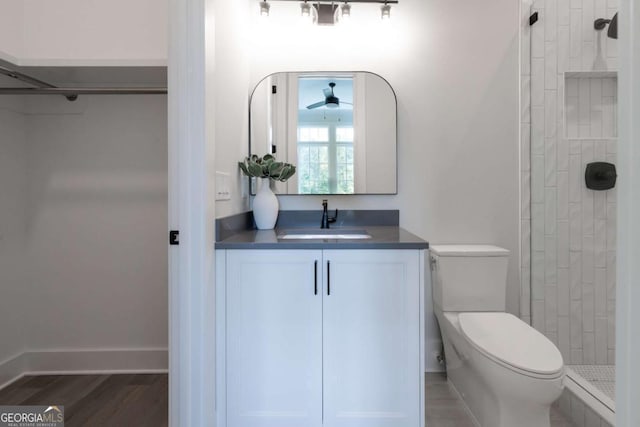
x=11 y=370
x=69 y=362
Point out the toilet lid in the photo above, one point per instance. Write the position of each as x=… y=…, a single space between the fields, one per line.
x=505 y=337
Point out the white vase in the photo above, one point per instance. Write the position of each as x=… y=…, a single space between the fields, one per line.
x=265 y=206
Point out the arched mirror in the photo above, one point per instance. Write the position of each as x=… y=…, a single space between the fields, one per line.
x=337 y=128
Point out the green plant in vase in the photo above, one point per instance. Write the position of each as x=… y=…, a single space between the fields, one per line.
x=265 y=204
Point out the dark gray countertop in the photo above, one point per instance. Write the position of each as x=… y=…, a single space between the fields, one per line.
x=382 y=237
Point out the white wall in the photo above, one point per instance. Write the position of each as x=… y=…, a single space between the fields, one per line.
x=97 y=221
x=11 y=20
x=84 y=32
x=454 y=67
x=13 y=229
x=230 y=79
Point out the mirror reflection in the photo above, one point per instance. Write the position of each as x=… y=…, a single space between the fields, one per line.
x=339 y=129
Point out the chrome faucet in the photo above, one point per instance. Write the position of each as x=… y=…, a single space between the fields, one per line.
x=326 y=219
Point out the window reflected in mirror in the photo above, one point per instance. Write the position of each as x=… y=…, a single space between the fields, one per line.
x=325 y=136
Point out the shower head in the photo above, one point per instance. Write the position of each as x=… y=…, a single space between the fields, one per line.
x=613 y=27
x=600 y=23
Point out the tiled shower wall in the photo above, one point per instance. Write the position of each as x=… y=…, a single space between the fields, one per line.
x=569 y=119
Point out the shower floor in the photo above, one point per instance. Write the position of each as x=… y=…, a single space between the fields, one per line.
x=602 y=377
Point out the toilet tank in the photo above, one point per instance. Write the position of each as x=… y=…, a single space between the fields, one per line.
x=469 y=277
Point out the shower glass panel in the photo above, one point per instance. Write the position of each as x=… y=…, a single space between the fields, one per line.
x=569 y=121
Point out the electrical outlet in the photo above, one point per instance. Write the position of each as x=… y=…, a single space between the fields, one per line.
x=223 y=186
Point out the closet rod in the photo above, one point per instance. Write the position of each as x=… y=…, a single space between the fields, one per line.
x=24 y=78
x=44 y=88
x=83 y=91
x=33 y=81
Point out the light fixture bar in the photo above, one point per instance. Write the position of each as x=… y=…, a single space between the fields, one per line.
x=342 y=1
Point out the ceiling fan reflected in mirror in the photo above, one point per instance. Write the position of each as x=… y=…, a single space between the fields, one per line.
x=330 y=99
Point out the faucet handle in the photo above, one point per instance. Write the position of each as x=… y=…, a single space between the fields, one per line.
x=334 y=218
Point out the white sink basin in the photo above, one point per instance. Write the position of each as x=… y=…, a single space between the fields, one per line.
x=323 y=234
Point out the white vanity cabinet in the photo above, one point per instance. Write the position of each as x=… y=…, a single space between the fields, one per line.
x=320 y=338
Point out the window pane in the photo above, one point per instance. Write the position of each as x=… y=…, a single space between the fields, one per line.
x=344 y=169
x=344 y=134
x=313 y=134
x=313 y=169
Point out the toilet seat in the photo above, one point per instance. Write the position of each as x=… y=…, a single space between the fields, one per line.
x=512 y=343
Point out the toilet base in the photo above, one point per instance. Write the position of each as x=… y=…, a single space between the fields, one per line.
x=539 y=418
x=472 y=417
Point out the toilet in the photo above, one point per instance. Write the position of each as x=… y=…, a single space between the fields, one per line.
x=506 y=372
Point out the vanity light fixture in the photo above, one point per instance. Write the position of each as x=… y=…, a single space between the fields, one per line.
x=325 y=12
x=264 y=8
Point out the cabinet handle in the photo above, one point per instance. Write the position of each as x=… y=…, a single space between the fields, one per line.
x=328 y=277
x=315 y=277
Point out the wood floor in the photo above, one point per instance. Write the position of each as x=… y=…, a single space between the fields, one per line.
x=96 y=400
x=142 y=400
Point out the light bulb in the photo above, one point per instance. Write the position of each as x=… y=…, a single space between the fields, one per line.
x=264 y=9
x=346 y=13
x=386 y=12
x=305 y=10
x=306 y=14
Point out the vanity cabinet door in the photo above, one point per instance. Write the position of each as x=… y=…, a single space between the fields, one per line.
x=371 y=312
x=274 y=338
